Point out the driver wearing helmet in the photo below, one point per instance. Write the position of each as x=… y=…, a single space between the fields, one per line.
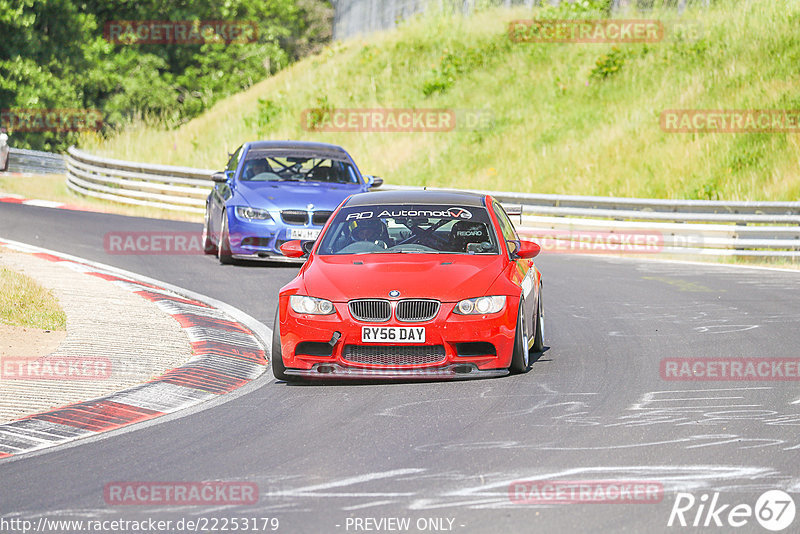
x=372 y=230
x=254 y=168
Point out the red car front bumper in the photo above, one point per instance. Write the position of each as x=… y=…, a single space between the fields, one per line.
x=456 y=346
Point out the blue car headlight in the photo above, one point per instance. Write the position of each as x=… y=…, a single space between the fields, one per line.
x=310 y=305
x=252 y=214
x=480 y=305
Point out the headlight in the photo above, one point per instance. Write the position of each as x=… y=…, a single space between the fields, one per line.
x=314 y=306
x=246 y=212
x=480 y=305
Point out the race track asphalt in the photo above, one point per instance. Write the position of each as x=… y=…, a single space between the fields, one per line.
x=594 y=407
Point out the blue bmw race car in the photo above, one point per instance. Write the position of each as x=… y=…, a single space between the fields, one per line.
x=272 y=192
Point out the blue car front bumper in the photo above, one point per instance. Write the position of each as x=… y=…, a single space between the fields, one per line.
x=261 y=240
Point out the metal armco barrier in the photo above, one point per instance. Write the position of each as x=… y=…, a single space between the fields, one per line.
x=695 y=227
x=162 y=186
x=584 y=224
x=35 y=162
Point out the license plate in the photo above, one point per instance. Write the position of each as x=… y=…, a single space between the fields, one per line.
x=304 y=233
x=393 y=334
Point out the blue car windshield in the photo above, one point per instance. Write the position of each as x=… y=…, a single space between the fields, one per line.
x=420 y=229
x=262 y=167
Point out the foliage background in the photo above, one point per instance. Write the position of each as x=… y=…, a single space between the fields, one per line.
x=53 y=56
x=565 y=118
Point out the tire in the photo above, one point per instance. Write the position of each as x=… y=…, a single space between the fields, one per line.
x=224 y=245
x=278 y=369
x=520 y=358
x=208 y=246
x=538 y=338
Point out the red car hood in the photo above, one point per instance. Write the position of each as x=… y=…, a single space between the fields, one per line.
x=445 y=277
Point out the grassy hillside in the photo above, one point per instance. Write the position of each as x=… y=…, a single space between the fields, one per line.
x=567 y=118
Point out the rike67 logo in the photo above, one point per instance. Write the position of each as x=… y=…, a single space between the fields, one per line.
x=774 y=510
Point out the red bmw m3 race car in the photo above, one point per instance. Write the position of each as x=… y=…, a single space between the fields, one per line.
x=411 y=284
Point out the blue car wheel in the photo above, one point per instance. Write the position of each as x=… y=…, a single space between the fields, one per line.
x=224 y=245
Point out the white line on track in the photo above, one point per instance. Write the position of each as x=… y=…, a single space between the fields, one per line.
x=356 y=480
x=366 y=505
x=43 y=203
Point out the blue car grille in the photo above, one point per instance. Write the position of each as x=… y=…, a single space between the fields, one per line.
x=295 y=217
x=318 y=218
x=300 y=217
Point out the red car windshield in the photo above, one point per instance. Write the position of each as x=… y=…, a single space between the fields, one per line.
x=422 y=229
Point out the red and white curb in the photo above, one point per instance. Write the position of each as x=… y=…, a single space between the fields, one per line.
x=17 y=199
x=227 y=355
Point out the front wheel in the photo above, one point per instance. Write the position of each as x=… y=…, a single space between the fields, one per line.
x=208 y=245
x=224 y=245
x=520 y=359
x=278 y=369
x=538 y=338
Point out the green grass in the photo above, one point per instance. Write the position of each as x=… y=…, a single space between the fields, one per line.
x=23 y=302
x=565 y=119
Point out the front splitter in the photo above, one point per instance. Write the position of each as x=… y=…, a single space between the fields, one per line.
x=270 y=257
x=456 y=371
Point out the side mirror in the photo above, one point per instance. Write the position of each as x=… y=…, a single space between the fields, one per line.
x=293 y=249
x=374 y=181
x=219 y=177
x=526 y=250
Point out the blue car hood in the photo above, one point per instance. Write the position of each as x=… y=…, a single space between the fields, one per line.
x=295 y=195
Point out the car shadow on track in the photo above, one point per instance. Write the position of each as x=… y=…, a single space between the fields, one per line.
x=265 y=264
x=537 y=356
